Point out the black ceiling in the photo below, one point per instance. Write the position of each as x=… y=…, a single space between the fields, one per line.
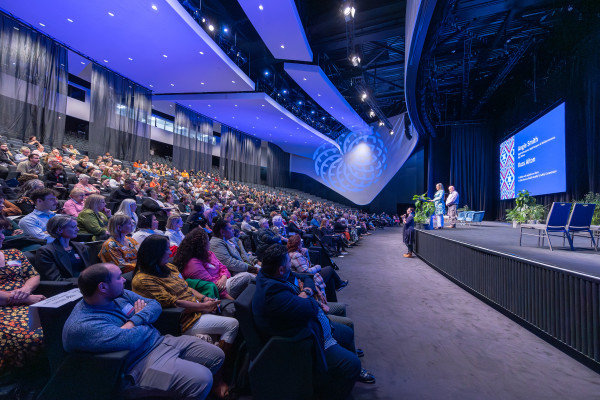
x=378 y=39
x=478 y=52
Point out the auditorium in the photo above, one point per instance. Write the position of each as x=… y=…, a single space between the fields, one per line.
x=299 y=199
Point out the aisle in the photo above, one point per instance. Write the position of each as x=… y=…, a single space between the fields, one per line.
x=426 y=338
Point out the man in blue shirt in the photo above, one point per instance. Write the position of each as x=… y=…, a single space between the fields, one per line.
x=110 y=318
x=279 y=311
x=34 y=223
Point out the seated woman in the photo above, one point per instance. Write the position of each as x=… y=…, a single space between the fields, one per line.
x=62 y=259
x=84 y=184
x=323 y=276
x=18 y=280
x=128 y=207
x=120 y=249
x=11 y=229
x=147 y=225
x=173 y=232
x=195 y=261
x=185 y=205
x=24 y=202
x=57 y=179
x=325 y=230
x=75 y=204
x=154 y=205
x=155 y=278
x=93 y=219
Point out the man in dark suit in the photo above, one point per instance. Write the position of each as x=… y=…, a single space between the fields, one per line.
x=125 y=191
x=279 y=311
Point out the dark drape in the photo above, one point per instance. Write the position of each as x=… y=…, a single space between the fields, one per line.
x=278 y=166
x=438 y=163
x=240 y=156
x=473 y=166
x=119 y=116
x=33 y=84
x=192 y=142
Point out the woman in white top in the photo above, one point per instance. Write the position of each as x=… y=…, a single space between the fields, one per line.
x=147 y=225
x=173 y=232
x=128 y=207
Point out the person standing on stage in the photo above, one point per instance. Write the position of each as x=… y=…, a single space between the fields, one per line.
x=440 y=209
x=408 y=231
x=452 y=204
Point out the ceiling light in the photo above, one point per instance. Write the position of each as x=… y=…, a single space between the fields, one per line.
x=203 y=20
x=281 y=117
x=260 y=7
x=235 y=105
x=15 y=28
x=319 y=94
x=363 y=96
x=42 y=24
x=154 y=7
x=211 y=27
x=111 y=14
x=202 y=83
x=323 y=118
x=209 y=105
x=164 y=55
x=130 y=59
x=304 y=78
x=189 y=105
x=172 y=84
x=282 y=46
x=266 y=73
x=331 y=108
x=312 y=112
x=262 y=105
x=380 y=123
x=69 y=19
x=201 y=52
x=151 y=85
x=391 y=131
x=371 y=113
x=225 y=30
x=355 y=60
x=232 y=117
x=83 y=62
x=284 y=91
x=232 y=81
x=300 y=103
x=105 y=60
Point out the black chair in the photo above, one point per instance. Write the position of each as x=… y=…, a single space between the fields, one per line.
x=270 y=374
x=77 y=375
x=84 y=237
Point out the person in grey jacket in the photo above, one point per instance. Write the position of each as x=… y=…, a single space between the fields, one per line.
x=229 y=250
x=110 y=318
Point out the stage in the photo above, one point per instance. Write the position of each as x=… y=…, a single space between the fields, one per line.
x=502 y=237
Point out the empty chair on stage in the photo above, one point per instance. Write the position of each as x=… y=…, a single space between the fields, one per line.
x=558 y=217
x=580 y=222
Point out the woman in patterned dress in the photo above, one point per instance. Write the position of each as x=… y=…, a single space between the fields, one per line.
x=440 y=206
x=18 y=279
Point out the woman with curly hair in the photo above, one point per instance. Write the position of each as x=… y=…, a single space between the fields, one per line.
x=195 y=261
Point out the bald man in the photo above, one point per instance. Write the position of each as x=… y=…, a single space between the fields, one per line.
x=452 y=204
x=110 y=318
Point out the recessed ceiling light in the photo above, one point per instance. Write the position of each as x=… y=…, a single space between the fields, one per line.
x=202 y=83
x=83 y=62
x=297 y=128
x=275 y=127
x=281 y=117
x=232 y=81
x=304 y=78
x=171 y=105
x=260 y=7
x=154 y=7
x=209 y=105
x=172 y=84
x=319 y=94
x=189 y=105
x=69 y=19
x=211 y=27
x=262 y=105
x=257 y=118
x=331 y=107
x=201 y=52
x=305 y=142
x=111 y=14
x=285 y=141
x=105 y=60
x=235 y=105
x=164 y=55
x=232 y=117
x=130 y=59
x=42 y=24
x=252 y=127
x=151 y=85
x=282 y=46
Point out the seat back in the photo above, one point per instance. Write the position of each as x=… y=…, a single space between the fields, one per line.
x=461 y=216
x=478 y=216
x=53 y=320
x=558 y=216
x=93 y=250
x=243 y=313
x=469 y=216
x=581 y=217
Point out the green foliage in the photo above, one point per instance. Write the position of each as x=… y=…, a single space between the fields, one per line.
x=465 y=208
x=593 y=198
x=526 y=209
x=423 y=208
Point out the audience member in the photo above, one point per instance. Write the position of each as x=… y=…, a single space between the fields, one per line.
x=147 y=225
x=195 y=261
x=23 y=154
x=24 y=202
x=128 y=207
x=31 y=167
x=110 y=318
x=85 y=185
x=34 y=223
x=265 y=237
x=62 y=259
x=18 y=280
x=93 y=219
x=230 y=251
x=173 y=232
x=120 y=249
x=123 y=192
x=75 y=204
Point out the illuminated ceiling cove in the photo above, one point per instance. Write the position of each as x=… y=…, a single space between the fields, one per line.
x=315 y=83
x=279 y=26
x=255 y=114
x=155 y=43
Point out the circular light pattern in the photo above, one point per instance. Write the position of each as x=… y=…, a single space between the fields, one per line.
x=359 y=165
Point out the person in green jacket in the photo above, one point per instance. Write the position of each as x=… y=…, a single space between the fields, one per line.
x=93 y=219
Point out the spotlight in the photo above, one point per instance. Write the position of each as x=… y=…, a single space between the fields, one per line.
x=203 y=20
x=355 y=60
x=349 y=12
x=300 y=103
x=391 y=131
x=372 y=114
x=225 y=30
x=266 y=73
x=363 y=96
x=211 y=28
x=284 y=91
x=380 y=123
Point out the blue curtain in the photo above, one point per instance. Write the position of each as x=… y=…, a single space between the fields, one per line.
x=193 y=141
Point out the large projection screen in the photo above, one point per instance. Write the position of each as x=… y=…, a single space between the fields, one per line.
x=533 y=159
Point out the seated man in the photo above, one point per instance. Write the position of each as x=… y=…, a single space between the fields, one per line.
x=34 y=223
x=229 y=250
x=123 y=192
x=265 y=238
x=31 y=166
x=279 y=311
x=110 y=318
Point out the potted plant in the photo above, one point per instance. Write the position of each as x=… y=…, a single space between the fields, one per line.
x=536 y=213
x=593 y=198
x=424 y=209
x=520 y=214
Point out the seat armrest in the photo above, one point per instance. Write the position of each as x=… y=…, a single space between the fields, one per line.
x=98 y=376
x=52 y=288
x=169 y=321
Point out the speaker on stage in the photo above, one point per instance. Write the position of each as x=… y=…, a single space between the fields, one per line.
x=407 y=127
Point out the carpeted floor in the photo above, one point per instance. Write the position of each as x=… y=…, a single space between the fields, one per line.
x=426 y=338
